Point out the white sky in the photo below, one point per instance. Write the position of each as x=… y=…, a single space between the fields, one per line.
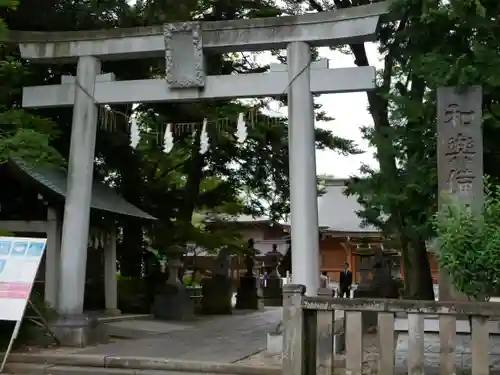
x=350 y=113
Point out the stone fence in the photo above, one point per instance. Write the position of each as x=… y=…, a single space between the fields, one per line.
x=309 y=329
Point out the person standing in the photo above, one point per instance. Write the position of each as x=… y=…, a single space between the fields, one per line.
x=345 y=281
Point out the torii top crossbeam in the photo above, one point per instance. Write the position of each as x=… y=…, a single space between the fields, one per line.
x=344 y=26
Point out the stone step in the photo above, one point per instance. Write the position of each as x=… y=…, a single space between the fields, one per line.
x=136 y=329
x=86 y=363
x=39 y=369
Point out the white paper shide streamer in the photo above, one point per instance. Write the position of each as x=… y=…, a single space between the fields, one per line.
x=135 y=134
x=241 y=129
x=168 y=139
x=204 y=141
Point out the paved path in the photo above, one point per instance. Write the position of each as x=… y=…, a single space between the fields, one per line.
x=218 y=339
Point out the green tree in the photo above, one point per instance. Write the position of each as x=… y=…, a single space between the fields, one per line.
x=435 y=44
x=22 y=134
x=470 y=245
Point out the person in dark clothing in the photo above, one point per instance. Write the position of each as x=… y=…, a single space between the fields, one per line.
x=345 y=281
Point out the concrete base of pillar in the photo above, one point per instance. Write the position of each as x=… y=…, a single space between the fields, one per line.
x=79 y=331
x=112 y=312
x=274 y=343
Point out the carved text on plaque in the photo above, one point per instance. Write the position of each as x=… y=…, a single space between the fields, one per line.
x=460 y=154
x=454 y=116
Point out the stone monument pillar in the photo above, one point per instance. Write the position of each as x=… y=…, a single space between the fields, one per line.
x=217 y=290
x=249 y=289
x=459 y=157
x=172 y=301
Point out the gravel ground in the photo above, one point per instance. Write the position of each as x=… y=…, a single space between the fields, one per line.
x=370 y=356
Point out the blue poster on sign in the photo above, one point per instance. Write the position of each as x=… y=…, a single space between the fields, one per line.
x=2 y=264
x=5 y=247
x=35 y=249
x=19 y=249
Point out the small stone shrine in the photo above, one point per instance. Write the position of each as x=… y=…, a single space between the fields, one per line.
x=374 y=264
x=249 y=289
x=217 y=290
x=272 y=289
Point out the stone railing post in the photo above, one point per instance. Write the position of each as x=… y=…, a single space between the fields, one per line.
x=324 y=337
x=293 y=333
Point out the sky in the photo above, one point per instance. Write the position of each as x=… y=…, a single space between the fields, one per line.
x=350 y=113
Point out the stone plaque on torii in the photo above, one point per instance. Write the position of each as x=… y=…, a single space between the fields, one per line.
x=184 y=46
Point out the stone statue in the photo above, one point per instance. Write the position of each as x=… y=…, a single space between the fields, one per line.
x=221 y=264
x=286 y=262
x=248 y=296
x=249 y=258
x=272 y=261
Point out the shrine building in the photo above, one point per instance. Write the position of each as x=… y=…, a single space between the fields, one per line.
x=341 y=231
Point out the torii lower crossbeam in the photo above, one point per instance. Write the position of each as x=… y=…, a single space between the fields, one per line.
x=322 y=81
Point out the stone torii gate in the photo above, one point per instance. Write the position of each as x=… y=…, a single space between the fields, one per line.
x=184 y=46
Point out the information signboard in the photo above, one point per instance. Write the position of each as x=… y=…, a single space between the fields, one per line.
x=19 y=262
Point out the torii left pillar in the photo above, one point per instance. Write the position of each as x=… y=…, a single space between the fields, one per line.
x=73 y=327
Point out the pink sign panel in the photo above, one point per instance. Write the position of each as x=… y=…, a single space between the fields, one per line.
x=15 y=290
x=19 y=262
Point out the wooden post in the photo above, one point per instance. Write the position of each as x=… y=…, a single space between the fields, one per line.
x=293 y=333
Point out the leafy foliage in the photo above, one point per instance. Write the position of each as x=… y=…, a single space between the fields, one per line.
x=22 y=135
x=470 y=245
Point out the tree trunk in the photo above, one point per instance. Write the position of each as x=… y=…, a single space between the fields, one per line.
x=191 y=191
x=420 y=285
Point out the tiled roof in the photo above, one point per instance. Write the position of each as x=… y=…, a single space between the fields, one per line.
x=103 y=198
